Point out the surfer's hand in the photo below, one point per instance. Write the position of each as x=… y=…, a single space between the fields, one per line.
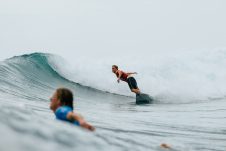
x=91 y=128
x=86 y=125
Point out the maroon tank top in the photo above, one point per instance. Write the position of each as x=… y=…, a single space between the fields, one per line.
x=123 y=76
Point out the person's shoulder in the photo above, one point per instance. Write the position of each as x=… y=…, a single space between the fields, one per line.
x=63 y=109
x=61 y=112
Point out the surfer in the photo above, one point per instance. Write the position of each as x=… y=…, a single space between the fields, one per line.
x=62 y=105
x=126 y=77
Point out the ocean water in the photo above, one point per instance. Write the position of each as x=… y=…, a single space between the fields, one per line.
x=188 y=114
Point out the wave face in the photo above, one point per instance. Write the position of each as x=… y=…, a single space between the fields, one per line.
x=27 y=82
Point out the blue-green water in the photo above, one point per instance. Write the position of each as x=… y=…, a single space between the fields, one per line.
x=27 y=123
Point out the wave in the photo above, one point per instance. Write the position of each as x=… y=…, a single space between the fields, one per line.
x=35 y=77
x=182 y=78
x=177 y=77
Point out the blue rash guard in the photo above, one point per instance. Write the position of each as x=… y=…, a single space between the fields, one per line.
x=61 y=114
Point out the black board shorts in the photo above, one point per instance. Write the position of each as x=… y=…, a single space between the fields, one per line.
x=132 y=83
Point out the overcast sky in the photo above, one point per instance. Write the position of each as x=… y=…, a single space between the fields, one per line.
x=87 y=27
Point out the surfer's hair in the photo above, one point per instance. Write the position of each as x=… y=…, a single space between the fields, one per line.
x=65 y=96
x=115 y=66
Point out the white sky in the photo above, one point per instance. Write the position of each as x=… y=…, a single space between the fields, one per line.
x=95 y=27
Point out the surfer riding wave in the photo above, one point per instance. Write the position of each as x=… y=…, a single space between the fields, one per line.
x=126 y=77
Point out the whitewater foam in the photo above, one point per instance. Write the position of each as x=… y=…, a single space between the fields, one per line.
x=183 y=76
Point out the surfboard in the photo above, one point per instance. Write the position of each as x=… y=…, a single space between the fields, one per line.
x=143 y=99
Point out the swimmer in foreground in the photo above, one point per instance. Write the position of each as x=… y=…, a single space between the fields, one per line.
x=62 y=105
x=126 y=77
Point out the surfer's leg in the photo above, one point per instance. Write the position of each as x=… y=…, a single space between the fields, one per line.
x=137 y=91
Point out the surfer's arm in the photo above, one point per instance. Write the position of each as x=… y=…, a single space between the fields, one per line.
x=119 y=75
x=129 y=73
x=75 y=117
